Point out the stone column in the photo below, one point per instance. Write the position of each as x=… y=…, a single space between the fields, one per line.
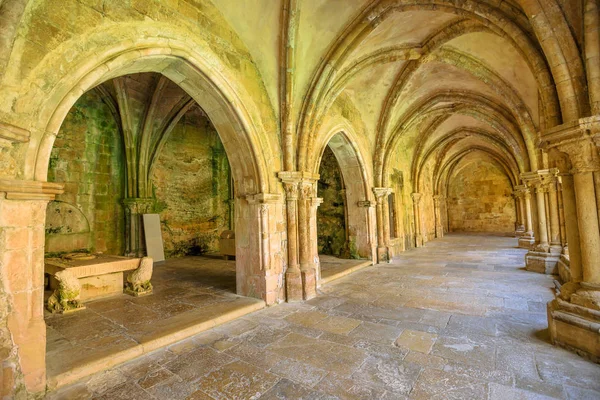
x=135 y=244
x=561 y=215
x=540 y=191
x=260 y=247
x=574 y=315
x=416 y=197
x=518 y=215
x=589 y=232
x=528 y=219
x=293 y=278
x=306 y=191
x=572 y=249
x=539 y=259
x=22 y=327
x=386 y=225
x=314 y=243
x=437 y=203
x=369 y=206
x=382 y=250
x=555 y=241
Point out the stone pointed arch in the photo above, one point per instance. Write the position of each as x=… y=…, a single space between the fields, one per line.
x=357 y=177
x=239 y=120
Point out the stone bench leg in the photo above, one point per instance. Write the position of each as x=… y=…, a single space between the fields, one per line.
x=138 y=281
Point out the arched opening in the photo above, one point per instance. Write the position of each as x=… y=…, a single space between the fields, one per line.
x=344 y=218
x=206 y=106
x=136 y=140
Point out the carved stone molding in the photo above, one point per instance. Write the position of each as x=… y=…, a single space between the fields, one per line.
x=264 y=198
x=11 y=133
x=366 y=203
x=416 y=197
x=30 y=190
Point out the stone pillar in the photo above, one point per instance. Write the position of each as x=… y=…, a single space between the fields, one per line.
x=382 y=250
x=416 y=197
x=542 y=244
x=528 y=219
x=572 y=249
x=589 y=232
x=293 y=278
x=539 y=259
x=526 y=238
x=300 y=276
x=22 y=327
x=307 y=265
x=519 y=196
x=574 y=315
x=135 y=244
x=555 y=240
x=314 y=243
x=437 y=203
x=369 y=207
x=386 y=225
x=260 y=247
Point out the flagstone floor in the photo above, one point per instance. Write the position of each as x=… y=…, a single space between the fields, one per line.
x=457 y=319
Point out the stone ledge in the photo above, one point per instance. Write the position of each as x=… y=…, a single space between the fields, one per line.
x=16 y=189
x=13 y=133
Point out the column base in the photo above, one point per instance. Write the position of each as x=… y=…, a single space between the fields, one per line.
x=293 y=286
x=544 y=263
x=309 y=284
x=383 y=255
x=572 y=326
x=525 y=242
x=564 y=268
x=419 y=242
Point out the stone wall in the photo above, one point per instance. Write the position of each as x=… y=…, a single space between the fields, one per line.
x=88 y=157
x=192 y=186
x=331 y=227
x=479 y=199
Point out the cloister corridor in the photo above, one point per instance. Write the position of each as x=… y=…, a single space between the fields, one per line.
x=316 y=199
x=457 y=319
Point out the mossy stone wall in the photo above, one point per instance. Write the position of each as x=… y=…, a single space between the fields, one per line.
x=331 y=226
x=88 y=157
x=192 y=187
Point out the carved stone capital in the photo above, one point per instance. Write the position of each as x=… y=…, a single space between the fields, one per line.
x=291 y=190
x=416 y=197
x=136 y=205
x=306 y=189
x=521 y=191
x=298 y=184
x=579 y=139
x=541 y=179
x=438 y=199
x=381 y=193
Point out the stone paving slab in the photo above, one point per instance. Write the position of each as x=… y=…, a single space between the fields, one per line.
x=112 y=331
x=473 y=344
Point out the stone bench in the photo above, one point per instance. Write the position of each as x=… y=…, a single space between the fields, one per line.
x=82 y=279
